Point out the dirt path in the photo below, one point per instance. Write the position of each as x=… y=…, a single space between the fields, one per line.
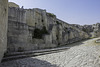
x=82 y=54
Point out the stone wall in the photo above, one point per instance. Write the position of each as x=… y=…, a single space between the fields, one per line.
x=39 y=29
x=3 y=26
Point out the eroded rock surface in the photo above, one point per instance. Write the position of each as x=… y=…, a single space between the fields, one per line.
x=38 y=29
x=3 y=26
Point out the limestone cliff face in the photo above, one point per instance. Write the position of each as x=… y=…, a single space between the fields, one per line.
x=31 y=29
x=36 y=17
x=3 y=26
x=17 y=36
x=16 y=14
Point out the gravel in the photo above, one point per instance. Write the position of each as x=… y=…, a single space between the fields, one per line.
x=82 y=54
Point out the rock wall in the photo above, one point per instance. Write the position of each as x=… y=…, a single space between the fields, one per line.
x=31 y=29
x=17 y=14
x=17 y=36
x=36 y=17
x=3 y=26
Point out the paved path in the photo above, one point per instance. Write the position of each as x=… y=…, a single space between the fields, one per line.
x=82 y=54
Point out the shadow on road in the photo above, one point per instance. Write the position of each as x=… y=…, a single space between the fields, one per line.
x=27 y=62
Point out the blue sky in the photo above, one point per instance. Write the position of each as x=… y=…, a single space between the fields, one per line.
x=72 y=11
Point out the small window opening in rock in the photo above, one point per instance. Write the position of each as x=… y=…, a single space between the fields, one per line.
x=5 y=9
x=42 y=20
x=68 y=32
x=35 y=23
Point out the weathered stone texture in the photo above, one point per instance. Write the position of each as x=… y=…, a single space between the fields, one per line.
x=17 y=30
x=17 y=36
x=42 y=30
x=3 y=26
x=91 y=30
x=36 y=17
x=17 y=14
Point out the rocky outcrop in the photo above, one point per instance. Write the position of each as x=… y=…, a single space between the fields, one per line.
x=91 y=30
x=85 y=28
x=31 y=29
x=3 y=26
x=96 y=30
x=11 y=4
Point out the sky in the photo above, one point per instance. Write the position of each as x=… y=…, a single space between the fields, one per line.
x=71 y=11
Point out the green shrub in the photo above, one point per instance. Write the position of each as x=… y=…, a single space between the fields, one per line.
x=44 y=31
x=58 y=23
x=51 y=14
x=85 y=30
x=38 y=33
